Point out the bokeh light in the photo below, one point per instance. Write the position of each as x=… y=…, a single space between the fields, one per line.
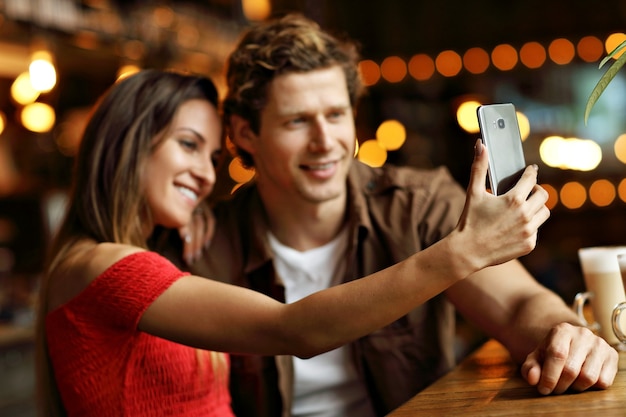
x=372 y=153
x=421 y=67
x=126 y=70
x=573 y=195
x=532 y=55
x=553 y=196
x=524 y=125
x=466 y=116
x=22 y=91
x=256 y=10
x=504 y=57
x=571 y=153
x=620 y=148
x=43 y=75
x=38 y=117
x=476 y=60
x=238 y=172
x=590 y=49
x=602 y=193
x=370 y=72
x=561 y=51
x=613 y=41
x=391 y=135
x=448 y=63
x=393 y=69
x=621 y=190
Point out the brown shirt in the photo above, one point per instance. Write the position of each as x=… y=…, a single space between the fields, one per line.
x=392 y=213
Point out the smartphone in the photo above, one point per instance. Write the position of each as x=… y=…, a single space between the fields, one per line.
x=500 y=133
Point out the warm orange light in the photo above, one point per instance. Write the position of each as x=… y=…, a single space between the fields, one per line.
x=230 y=146
x=466 y=116
x=163 y=17
x=613 y=41
x=561 y=51
x=570 y=153
x=621 y=190
x=620 y=148
x=372 y=153
x=523 y=124
x=391 y=135
x=476 y=60
x=370 y=72
x=42 y=72
x=256 y=10
x=590 y=48
x=504 y=57
x=448 y=63
x=532 y=55
x=553 y=196
x=237 y=171
x=602 y=193
x=22 y=91
x=421 y=67
x=393 y=69
x=126 y=70
x=38 y=117
x=573 y=195
x=236 y=187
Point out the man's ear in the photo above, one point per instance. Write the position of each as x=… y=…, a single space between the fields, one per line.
x=241 y=133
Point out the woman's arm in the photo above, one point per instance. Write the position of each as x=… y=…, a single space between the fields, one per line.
x=207 y=314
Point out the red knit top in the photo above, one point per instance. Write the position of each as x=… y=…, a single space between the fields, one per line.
x=104 y=366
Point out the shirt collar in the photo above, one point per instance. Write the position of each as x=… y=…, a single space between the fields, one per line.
x=362 y=183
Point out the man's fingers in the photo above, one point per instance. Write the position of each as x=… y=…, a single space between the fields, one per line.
x=596 y=371
x=531 y=369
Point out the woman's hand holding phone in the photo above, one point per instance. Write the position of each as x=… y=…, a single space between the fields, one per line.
x=495 y=229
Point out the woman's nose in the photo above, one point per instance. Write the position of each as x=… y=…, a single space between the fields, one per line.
x=205 y=171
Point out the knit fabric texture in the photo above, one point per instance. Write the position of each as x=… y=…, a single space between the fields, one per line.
x=104 y=366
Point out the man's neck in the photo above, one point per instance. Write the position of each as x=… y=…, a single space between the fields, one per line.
x=305 y=225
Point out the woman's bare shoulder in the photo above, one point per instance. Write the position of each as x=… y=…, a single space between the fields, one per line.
x=84 y=263
x=104 y=255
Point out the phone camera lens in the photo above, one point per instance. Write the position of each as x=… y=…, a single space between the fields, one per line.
x=501 y=123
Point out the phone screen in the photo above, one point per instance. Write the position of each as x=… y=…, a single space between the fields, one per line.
x=500 y=133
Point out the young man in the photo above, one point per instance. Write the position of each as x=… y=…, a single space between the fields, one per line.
x=315 y=217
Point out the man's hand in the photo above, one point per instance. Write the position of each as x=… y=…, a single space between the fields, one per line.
x=571 y=357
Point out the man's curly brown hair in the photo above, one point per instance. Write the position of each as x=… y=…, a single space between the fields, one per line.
x=291 y=43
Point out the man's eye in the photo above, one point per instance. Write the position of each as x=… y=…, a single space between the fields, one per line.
x=296 y=121
x=335 y=115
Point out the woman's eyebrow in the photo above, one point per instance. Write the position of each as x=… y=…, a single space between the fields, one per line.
x=191 y=130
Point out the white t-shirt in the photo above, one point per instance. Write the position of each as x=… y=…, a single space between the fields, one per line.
x=326 y=385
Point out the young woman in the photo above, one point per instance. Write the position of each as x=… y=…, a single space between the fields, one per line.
x=123 y=332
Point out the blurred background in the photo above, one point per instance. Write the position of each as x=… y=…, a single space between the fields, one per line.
x=427 y=66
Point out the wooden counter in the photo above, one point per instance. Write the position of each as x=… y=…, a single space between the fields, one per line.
x=488 y=383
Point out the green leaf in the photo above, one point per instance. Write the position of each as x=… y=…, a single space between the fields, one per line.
x=605 y=80
x=612 y=54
